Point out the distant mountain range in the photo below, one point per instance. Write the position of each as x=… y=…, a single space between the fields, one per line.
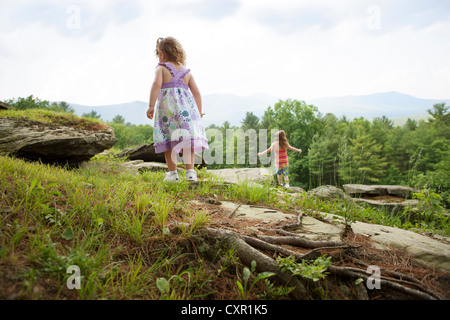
x=219 y=108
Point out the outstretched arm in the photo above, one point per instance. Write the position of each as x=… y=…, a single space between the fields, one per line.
x=294 y=149
x=154 y=92
x=266 y=151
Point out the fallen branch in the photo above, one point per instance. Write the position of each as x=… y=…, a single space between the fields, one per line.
x=313 y=254
x=262 y=245
x=297 y=225
x=234 y=211
x=301 y=242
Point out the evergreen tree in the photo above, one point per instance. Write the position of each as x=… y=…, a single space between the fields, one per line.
x=93 y=114
x=119 y=119
x=367 y=159
x=250 y=122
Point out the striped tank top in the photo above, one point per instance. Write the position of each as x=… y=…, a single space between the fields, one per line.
x=281 y=159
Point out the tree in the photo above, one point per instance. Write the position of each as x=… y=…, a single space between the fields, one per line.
x=438 y=111
x=118 y=119
x=93 y=114
x=369 y=163
x=250 y=122
x=30 y=102
x=322 y=162
x=323 y=153
x=61 y=107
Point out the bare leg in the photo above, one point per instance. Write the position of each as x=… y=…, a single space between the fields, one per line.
x=188 y=158
x=280 y=180
x=171 y=165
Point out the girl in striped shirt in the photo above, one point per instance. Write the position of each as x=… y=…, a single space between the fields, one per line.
x=280 y=147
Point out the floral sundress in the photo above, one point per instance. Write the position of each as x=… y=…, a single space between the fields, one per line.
x=178 y=123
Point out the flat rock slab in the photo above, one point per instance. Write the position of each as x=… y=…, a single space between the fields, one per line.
x=142 y=166
x=389 y=204
x=243 y=174
x=361 y=189
x=315 y=229
x=434 y=252
x=253 y=212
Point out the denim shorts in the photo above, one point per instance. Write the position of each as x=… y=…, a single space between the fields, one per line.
x=283 y=171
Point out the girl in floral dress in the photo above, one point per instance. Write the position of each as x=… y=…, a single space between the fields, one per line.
x=178 y=120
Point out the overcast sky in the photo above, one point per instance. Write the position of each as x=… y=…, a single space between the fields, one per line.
x=102 y=52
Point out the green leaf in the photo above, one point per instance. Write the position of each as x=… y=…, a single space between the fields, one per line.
x=51 y=185
x=163 y=285
x=253 y=264
x=240 y=287
x=33 y=184
x=264 y=275
x=359 y=280
x=246 y=274
x=68 y=234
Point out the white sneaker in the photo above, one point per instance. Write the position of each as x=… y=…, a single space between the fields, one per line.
x=170 y=176
x=286 y=185
x=191 y=175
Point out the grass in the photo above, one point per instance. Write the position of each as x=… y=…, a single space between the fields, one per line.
x=51 y=117
x=123 y=232
x=118 y=228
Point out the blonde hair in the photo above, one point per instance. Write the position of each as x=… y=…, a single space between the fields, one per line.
x=172 y=49
x=282 y=139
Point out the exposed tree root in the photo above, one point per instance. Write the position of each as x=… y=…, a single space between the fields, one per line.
x=354 y=273
x=264 y=248
x=300 y=241
x=248 y=250
x=247 y=254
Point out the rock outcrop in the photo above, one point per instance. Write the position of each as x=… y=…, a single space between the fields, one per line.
x=391 y=198
x=147 y=153
x=433 y=251
x=237 y=175
x=5 y=106
x=329 y=193
x=52 y=143
x=378 y=190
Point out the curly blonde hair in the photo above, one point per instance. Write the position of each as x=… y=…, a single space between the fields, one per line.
x=172 y=49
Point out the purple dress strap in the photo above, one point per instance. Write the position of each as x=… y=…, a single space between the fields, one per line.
x=177 y=80
x=181 y=74
x=169 y=66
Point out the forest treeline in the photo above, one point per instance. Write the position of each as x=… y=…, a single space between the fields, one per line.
x=336 y=150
